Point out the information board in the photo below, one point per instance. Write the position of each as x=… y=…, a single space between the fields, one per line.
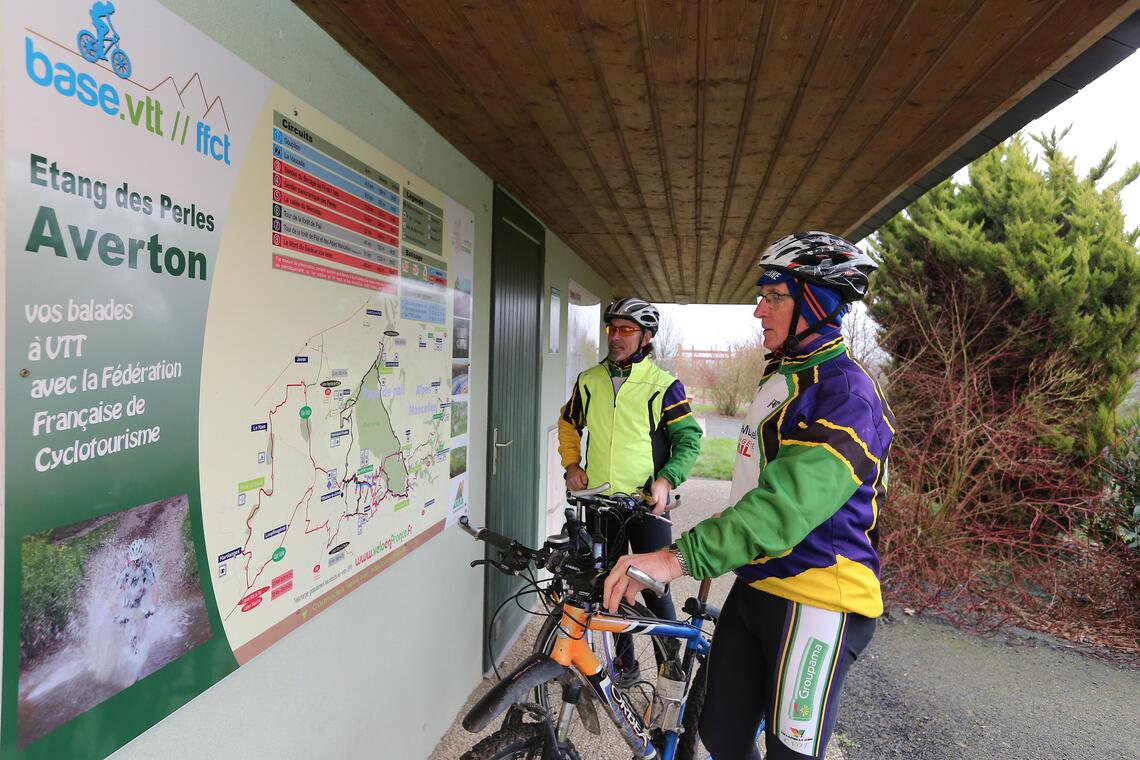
x=237 y=353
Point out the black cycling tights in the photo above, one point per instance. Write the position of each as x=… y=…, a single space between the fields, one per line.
x=782 y=661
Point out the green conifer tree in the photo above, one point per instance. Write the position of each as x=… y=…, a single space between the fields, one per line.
x=1037 y=261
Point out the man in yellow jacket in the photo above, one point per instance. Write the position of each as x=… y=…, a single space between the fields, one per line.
x=642 y=433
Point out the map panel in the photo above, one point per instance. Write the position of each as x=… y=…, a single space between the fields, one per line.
x=331 y=438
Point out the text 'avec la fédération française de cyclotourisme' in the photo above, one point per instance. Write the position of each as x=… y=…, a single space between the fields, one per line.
x=99 y=390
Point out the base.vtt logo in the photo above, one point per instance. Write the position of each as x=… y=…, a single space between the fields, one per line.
x=138 y=104
x=103 y=43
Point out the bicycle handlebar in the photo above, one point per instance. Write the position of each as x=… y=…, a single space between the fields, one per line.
x=514 y=557
x=647 y=580
x=588 y=492
x=497 y=540
x=637 y=502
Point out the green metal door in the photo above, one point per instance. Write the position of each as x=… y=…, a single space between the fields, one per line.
x=518 y=254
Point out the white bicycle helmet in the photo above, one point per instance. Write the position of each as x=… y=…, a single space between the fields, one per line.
x=637 y=310
x=136 y=549
x=824 y=259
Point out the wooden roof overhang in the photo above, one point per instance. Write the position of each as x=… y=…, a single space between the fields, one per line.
x=668 y=142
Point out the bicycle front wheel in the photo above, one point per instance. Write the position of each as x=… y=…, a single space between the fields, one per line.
x=517 y=742
x=121 y=64
x=635 y=662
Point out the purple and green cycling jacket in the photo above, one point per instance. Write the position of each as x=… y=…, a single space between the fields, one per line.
x=809 y=481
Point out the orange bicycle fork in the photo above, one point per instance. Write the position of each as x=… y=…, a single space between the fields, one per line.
x=572 y=650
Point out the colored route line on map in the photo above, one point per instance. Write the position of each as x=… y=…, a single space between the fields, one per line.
x=306 y=499
x=318 y=334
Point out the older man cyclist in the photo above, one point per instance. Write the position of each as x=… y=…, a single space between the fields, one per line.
x=800 y=534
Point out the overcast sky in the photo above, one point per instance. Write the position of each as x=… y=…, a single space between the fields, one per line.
x=1106 y=112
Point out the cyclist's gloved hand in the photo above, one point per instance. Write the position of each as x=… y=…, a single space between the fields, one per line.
x=576 y=479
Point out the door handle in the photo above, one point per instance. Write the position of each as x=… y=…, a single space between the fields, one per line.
x=495 y=451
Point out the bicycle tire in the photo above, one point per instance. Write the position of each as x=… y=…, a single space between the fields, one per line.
x=649 y=652
x=517 y=742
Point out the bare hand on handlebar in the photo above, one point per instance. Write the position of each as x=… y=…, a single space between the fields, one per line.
x=659 y=495
x=576 y=478
x=661 y=565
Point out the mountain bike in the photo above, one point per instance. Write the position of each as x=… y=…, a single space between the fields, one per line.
x=581 y=665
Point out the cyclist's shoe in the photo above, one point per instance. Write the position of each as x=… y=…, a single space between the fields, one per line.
x=626 y=676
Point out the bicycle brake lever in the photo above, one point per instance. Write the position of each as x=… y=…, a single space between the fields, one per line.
x=502 y=567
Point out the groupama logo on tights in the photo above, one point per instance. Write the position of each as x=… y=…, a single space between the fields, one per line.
x=812 y=662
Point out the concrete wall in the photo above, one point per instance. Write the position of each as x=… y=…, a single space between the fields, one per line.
x=384 y=671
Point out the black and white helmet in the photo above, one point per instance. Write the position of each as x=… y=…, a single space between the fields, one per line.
x=824 y=259
x=641 y=312
x=136 y=549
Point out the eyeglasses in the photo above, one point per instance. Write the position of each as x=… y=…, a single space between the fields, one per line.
x=772 y=299
x=622 y=330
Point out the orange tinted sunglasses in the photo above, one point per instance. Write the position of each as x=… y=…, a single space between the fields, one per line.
x=623 y=330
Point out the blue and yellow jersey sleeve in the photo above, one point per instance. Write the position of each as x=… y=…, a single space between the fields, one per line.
x=683 y=433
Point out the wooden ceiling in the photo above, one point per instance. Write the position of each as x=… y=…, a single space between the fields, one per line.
x=668 y=142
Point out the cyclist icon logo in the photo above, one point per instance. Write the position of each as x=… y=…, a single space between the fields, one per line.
x=103 y=43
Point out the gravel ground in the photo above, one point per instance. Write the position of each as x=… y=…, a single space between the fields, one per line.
x=925 y=691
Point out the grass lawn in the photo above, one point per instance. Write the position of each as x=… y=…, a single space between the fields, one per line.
x=715 y=461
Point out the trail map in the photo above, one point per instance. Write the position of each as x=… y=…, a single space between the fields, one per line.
x=330 y=410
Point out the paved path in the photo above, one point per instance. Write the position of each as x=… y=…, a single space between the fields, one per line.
x=716 y=426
